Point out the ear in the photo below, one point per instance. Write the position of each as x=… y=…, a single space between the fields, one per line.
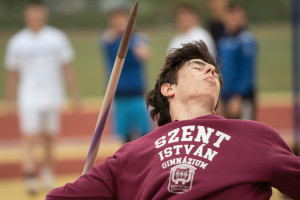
x=167 y=90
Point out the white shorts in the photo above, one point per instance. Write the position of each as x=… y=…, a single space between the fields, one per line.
x=35 y=121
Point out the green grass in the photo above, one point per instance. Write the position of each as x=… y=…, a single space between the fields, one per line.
x=274 y=64
x=88 y=63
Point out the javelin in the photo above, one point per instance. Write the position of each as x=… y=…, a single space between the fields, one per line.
x=111 y=89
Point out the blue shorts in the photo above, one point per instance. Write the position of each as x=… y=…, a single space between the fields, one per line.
x=131 y=116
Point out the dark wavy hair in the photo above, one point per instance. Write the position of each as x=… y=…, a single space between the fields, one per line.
x=168 y=74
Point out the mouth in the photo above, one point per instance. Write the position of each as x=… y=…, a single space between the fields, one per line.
x=211 y=79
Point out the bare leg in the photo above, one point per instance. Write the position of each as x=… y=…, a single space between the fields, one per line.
x=235 y=107
x=47 y=162
x=29 y=162
x=48 y=149
x=28 y=153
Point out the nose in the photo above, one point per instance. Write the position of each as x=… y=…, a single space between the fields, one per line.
x=211 y=69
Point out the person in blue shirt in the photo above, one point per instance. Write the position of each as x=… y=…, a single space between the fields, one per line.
x=130 y=116
x=238 y=52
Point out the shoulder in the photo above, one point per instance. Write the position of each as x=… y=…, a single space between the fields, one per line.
x=52 y=29
x=55 y=32
x=105 y=36
x=109 y=37
x=140 y=36
x=139 y=39
x=201 y=32
x=175 y=42
x=18 y=37
x=259 y=125
x=223 y=40
x=246 y=36
x=255 y=128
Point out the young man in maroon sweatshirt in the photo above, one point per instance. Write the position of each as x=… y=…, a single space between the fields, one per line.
x=194 y=154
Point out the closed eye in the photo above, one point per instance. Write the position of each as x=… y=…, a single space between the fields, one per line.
x=198 y=65
x=198 y=68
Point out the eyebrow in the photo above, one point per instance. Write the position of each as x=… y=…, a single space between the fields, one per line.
x=198 y=62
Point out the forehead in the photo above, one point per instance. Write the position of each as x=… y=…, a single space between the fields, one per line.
x=38 y=8
x=185 y=12
x=36 y=11
x=118 y=13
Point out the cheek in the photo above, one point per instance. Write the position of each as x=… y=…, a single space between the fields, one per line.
x=217 y=88
x=213 y=89
x=217 y=93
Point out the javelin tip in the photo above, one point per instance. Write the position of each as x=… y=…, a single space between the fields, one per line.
x=128 y=31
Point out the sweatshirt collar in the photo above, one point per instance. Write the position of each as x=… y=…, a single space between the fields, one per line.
x=210 y=116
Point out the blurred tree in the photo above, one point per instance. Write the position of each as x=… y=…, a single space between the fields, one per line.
x=90 y=13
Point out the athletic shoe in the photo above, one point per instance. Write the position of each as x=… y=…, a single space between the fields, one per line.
x=47 y=178
x=31 y=183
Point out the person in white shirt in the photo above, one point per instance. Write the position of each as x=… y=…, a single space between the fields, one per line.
x=38 y=60
x=189 y=27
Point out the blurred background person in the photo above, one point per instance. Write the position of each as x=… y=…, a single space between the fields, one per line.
x=189 y=27
x=215 y=24
x=238 y=51
x=130 y=114
x=38 y=58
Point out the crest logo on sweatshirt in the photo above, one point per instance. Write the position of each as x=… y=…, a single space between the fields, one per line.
x=181 y=178
x=185 y=149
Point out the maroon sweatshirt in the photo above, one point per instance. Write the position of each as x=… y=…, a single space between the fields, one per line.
x=207 y=158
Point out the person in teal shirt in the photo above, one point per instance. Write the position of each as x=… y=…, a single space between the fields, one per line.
x=130 y=116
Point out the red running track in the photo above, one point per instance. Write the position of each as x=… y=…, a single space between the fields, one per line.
x=81 y=125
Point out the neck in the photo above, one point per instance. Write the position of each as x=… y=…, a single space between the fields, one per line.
x=218 y=14
x=187 y=28
x=190 y=110
x=35 y=29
